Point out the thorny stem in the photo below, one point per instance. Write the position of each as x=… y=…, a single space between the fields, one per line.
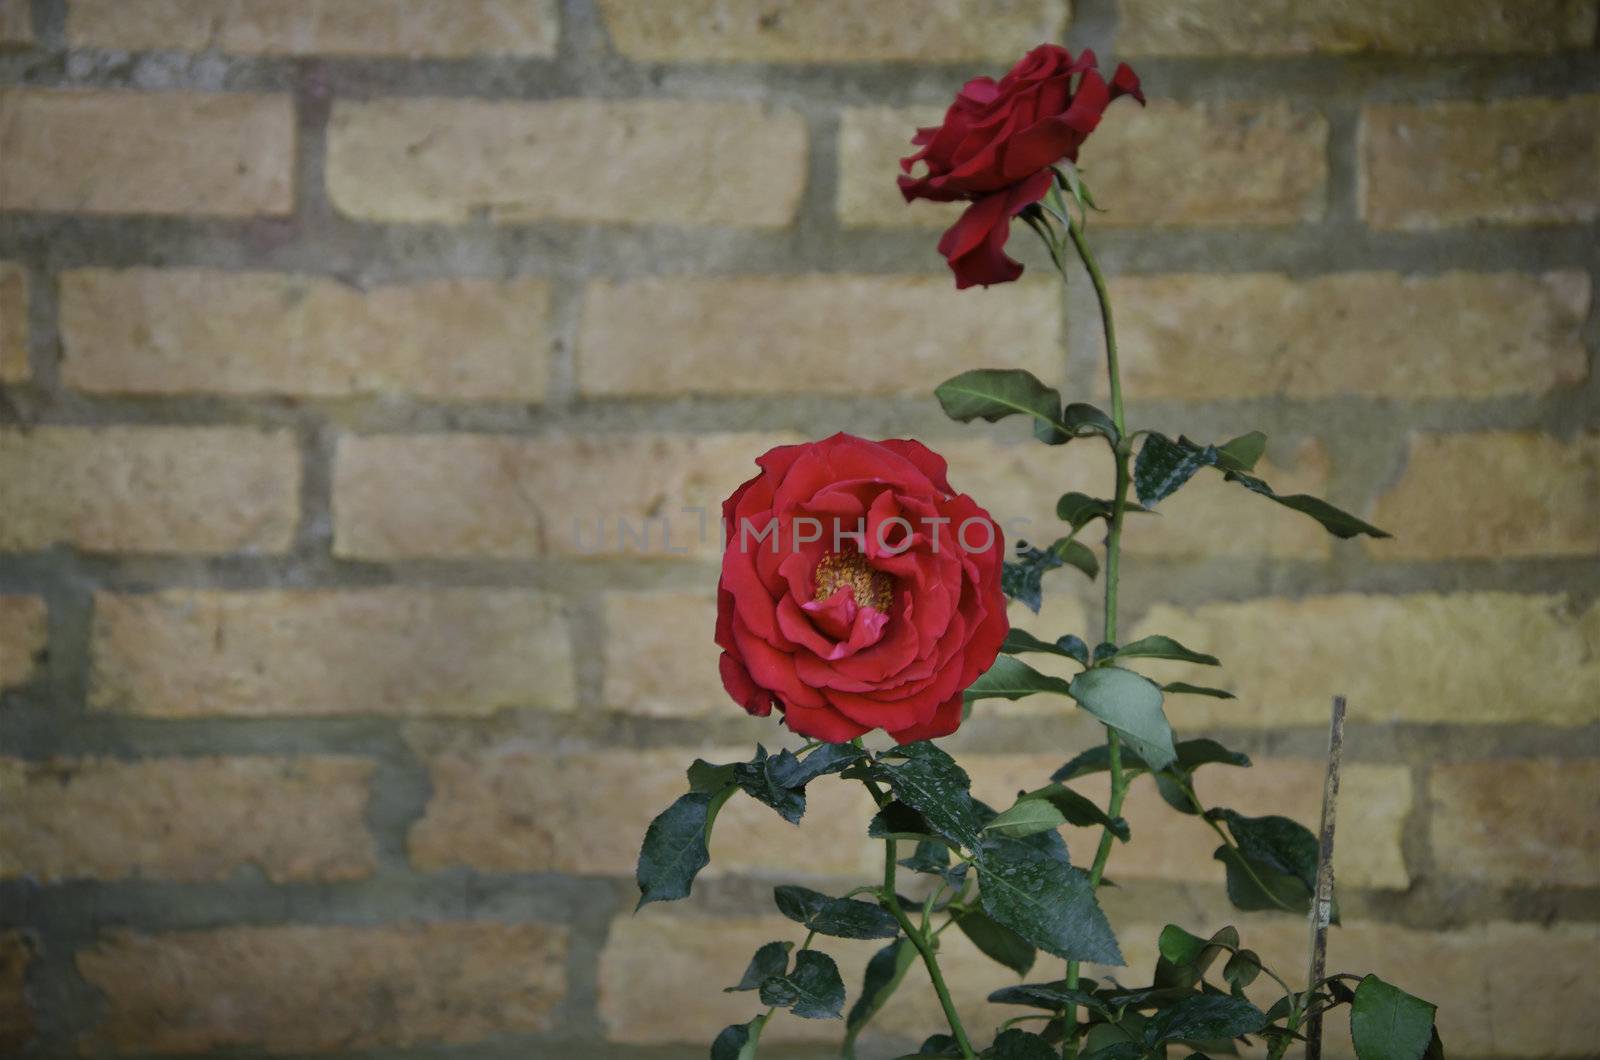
x=919 y=937
x=1121 y=450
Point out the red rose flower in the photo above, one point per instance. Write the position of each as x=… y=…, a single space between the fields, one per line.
x=996 y=147
x=858 y=591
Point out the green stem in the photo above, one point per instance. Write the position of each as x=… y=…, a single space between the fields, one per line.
x=1099 y=281
x=1244 y=863
x=919 y=938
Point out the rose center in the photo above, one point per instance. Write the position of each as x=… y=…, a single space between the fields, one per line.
x=871 y=588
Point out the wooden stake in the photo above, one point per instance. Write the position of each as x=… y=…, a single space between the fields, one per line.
x=1322 y=900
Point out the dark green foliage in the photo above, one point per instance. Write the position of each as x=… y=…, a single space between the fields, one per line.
x=1046 y=901
x=1019 y=641
x=1130 y=704
x=737 y=1042
x=1164 y=465
x=1078 y=809
x=1019 y=1045
x=758 y=780
x=674 y=849
x=1049 y=996
x=812 y=990
x=928 y=780
x=1337 y=522
x=1204 y=1017
x=1159 y=647
x=899 y=821
x=883 y=975
x=771 y=959
x=1185 y=958
x=845 y=918
x=997 y=942
x=1386 y=1023
x=994 y=393
x=779 y=780
x=929 y=857
x=1196 y=690
x=1279 y=843
x=1077 y=510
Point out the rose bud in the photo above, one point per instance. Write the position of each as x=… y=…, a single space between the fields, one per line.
x=858 y=591
x=996 y=147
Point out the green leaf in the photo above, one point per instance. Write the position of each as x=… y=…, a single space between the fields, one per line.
x=1020 y=640
x=1337 y=522
x=1184 y=958
x=883 y=975
x=1206 y=751
x=930 y=782
x=1386 y=1023
x=939 y=1045
x=1241 y=453
x=1103 y=651
x=1010 y=678
x=708 y=778
x=1078 y=809
x=1242 y=968
x=1081 y=418
x=1079 y=509
x=1050 y=996
x=1016 y=1044
x=1282 y=844
x=813 y=990
x=758 y=777
x=997 y=942
x=1185 y=687
x=1159 y=647
x=1027 y=817
x=737 y=1042
x=771 y=959
x=1253 y=886
x=674 y=849
x=845 y=918
x=899 y=821
x=1164 y=465
x=829 y=758
x=1131 y=704
x=1076 y=554
x=1023 y=580
x=1048 y=903
x=994 y=393
x=929 y=857
x=1098 y=760
x=1205 y=1017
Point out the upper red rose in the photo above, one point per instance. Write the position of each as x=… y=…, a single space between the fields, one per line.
x=996 y=147
x=858 y=591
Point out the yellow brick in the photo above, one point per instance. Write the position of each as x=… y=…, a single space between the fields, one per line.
x=16 y=25
x=779 y=335
x=81 y=151
x=1205 y=337
x=185 y=819
x=299 y=988
x=1243 y=163
x=453 y=652
x=416 y=28
x=13 y=324
x=1534 y=822
x=24 y=630
x=502 y=496
x=1455 y=658
x=195 y=331
x=830 y=31
x=660 y=658
x=1493 y=496
x=1514 y=161
x=639 y=162
x=149 y=489
x=1285 y=27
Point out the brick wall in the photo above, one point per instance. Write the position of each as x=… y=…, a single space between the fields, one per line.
x=320 y=324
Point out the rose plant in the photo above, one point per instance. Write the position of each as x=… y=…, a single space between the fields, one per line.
x=860 y=592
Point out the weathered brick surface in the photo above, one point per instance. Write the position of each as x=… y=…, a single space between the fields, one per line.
x=16 y=25
x=805 y=334
x=1521 y=161
x=1285 y=27
x=456 y=652
x=23 y=632
x=13 y=324
x=149 y=489
x=303 y=988
x=83 y=151
x=149 y=331
x=415 y=28
x=1244 y=163
x=516 y=809
x=660 y=658
x=1529 y=821
x=186 y=819
x=450 y=160
x=1375 y=334
x=1458 y=658
x=16 y=1016
x=1493 y=495
x=501 y=496
x=829 y=31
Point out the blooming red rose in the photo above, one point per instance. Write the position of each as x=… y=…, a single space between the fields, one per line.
x=996 y=147
x=858 y=590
